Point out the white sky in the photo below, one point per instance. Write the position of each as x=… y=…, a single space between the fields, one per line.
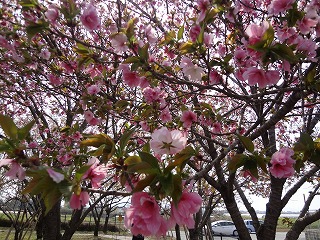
x=294 y=205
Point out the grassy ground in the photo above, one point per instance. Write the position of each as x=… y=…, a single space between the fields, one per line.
x=32 y=236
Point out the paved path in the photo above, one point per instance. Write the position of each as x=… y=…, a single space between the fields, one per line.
x=279 y=236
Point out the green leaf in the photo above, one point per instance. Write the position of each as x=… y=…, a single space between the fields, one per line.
x=81 y=171
x=187 y=47
x=305 y=143
x=237 y=161
x=132 y=160
x=315 y=158
x=28 y=3
x=130 y=28
x=143 y=52
x=99 y=151
x=150 y=159
x=247 y=143
x=82 y=49
x=180 y=33
x=177 y=188
x=294 y=15
x=51 y=198
x=284 y=52
x=254 y=172
x=121 y=104
x=142 y=184
x=125 y=139
x=25 y=131
x=133 y=59
x=262 y=163
x=143 y=167
x=8 y=126
x=34 y=28
x=167 y=184
x=4 y=146
x=180 y=159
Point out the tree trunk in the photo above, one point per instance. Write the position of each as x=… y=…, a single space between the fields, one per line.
x=300 y=225
x=105 y=226
x=177 y=229
x=51 y=222
x=227 y=194
x=267 y=231
x=194 y=234
x=73 y=225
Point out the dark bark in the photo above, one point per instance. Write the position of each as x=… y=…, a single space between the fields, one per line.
x=52 y=222
x=274 y=207
x=300 y=225
x=235 y=214
x=177 y=229
x=194 y=234
x=73 y=225
x=106 y=221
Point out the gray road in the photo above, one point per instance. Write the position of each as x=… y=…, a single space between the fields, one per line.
x=279 y=236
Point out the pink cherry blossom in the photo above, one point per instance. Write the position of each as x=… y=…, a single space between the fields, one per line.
x=194 y=32
x=306 y=25
x=54 y=80
x=214 y=77
x=90 y=19
x=165 y=115
x=96 y=173
x=144 y=125
x=203 y=7
x=164 y=141
x=216 y=127
x=143 y=216
x=188 y=117
x=260 y=77
x=152 y=94
x=132 y=79
x=119 y=42
x=279 y=6
x=255 y=32
x=15 y=171
x=52 y=13
x=88 y=115
x=33 y=145
x=282 y=163
x=76 y=136
x=56 y=176
x=5 y=43
x=150 y=34
x=190 y=70
x=207 y=39
x=45 y=54
x=78 y=201
x=93 y=89
x=189 y=204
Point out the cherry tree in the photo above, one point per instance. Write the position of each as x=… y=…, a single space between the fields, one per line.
x=157 y=96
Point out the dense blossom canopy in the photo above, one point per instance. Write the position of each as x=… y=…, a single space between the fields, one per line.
x=170 y=100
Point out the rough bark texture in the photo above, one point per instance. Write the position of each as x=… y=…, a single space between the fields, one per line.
x=177 y=229
x=194 y=234
x=52 y=223
x=300 y=225
x=73 y=225
x=274 y=207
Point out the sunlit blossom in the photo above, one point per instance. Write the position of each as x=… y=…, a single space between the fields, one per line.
x=164 y=141
x=90 y=19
